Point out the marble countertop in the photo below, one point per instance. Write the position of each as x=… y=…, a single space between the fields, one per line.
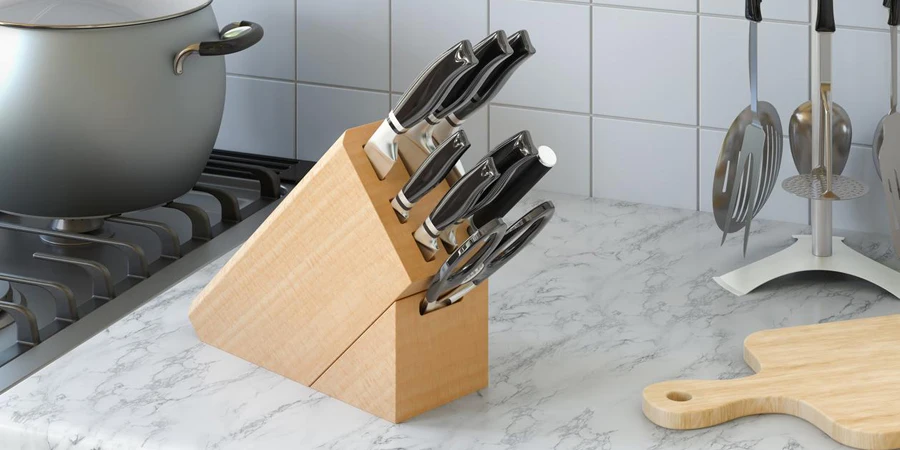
x=611 y=298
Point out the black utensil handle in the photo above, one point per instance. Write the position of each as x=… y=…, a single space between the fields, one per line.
x=825 y=20
x=517 y=188
x=506 y=176
x=894 y=18
x=458 y=202
x=490 y=52
x=512 y=150
x=234 y=37
x=436 y=167
x=754 y=11
x=522 y=48
x=430 y=88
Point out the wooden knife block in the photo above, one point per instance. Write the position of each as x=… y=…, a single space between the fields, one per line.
x=327 y=291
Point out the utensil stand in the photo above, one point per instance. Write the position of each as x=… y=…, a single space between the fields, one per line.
x=327 y=293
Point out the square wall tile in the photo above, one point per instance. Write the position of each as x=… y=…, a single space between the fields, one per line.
x=645 y=65
x=794 y=10
x=323 y=113
x=344 y=42
x=423 y=29
x=476 y=128
x=645 y=163
x=558 y=75
x=724 y=69
x=869 y=213
x=781 y=205
x=258 y=118
x=858 y=13
x=567 y=134
x=862 y=77
x=272 y=57
x=673 y=5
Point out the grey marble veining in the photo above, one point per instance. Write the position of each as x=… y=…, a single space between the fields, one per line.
x=611 y=298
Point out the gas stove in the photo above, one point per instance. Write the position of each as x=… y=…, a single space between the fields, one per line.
x=63 y=281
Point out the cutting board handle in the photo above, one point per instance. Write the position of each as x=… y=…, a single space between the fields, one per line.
x=692 y=404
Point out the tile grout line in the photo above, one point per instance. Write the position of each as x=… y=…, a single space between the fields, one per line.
x=296 y=77
x=591 y=139
x=488 y=106
x=390 y=53
x=699 y=107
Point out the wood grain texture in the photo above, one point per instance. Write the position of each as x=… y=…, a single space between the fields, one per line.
x=406 y=364
x=842 y=377
x=322 y=268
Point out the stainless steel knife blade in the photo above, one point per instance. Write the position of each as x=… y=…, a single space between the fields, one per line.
x=420 y=99
x=457 y=203
x=435 y=168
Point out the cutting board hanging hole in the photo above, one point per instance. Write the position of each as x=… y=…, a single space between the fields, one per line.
x=677 y=396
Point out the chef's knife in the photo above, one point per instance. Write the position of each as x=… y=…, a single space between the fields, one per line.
x=435 y=168
x=490 y=52
x=510 y=157
x=522 y=48
x=520 y=185
x=457 y=203
x=423 y=96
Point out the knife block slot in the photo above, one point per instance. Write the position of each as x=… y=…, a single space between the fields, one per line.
x=334 y=281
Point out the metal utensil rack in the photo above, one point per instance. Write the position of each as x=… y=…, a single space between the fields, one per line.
x=820 y=250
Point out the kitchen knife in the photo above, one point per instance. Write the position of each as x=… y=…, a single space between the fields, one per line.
x=510 y=157
x=520 y=185
x=522 y=48
x=426 y=92
x=435 y=168
x=490 y=53
x=457 y=203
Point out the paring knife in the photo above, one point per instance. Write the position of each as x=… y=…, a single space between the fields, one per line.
x=431 y=173
x=510 y=157
x=426 y=92
x=522 y=48
x=490 y=53
x=457 y=203
x=520 y=185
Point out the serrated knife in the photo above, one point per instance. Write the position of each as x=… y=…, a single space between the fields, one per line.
x=426 y=92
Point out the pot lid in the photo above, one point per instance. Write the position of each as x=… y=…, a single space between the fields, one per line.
x=92 y=13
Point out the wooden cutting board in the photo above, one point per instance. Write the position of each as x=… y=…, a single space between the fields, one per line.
x=842 y=377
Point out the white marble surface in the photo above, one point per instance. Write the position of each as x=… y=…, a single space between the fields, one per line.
x=611 y=298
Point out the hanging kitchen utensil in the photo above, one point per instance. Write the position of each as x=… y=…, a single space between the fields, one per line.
x=888 y=156
x=800 y=129
x=822 y=183
x=878 y=141
x=751 y=154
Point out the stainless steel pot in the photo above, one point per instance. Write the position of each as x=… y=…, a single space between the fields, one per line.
x=103 y=107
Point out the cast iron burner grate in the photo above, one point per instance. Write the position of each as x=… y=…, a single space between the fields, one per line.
x=59 y=287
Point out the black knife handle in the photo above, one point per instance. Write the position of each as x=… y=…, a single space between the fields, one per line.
x=894 y=18
x=522 y=50
x=436 y=167
x=490 y=52
x=422 y=98
x=458 y=202
x=512 y=150
x=506 y=176
x=825 y=20
x=754 y=11
x=517 y=188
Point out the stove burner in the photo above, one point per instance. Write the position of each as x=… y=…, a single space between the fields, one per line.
x=93 y=227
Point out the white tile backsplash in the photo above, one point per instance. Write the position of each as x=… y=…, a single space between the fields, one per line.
x=423 y=29
x=645 y=163
x=634 y=95
x=645 y=65
x=558 y=76
x=724 y=69
x=344 y=42
x=567 y=134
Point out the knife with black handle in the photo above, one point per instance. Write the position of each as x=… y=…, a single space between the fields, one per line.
x=510 y=157
x=431 y=173
x=490 y=53
x=426 y=92
x=517 y=187
x=522 y=49
x=457 y=203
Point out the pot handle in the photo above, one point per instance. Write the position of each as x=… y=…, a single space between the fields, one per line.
x=235 y=37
